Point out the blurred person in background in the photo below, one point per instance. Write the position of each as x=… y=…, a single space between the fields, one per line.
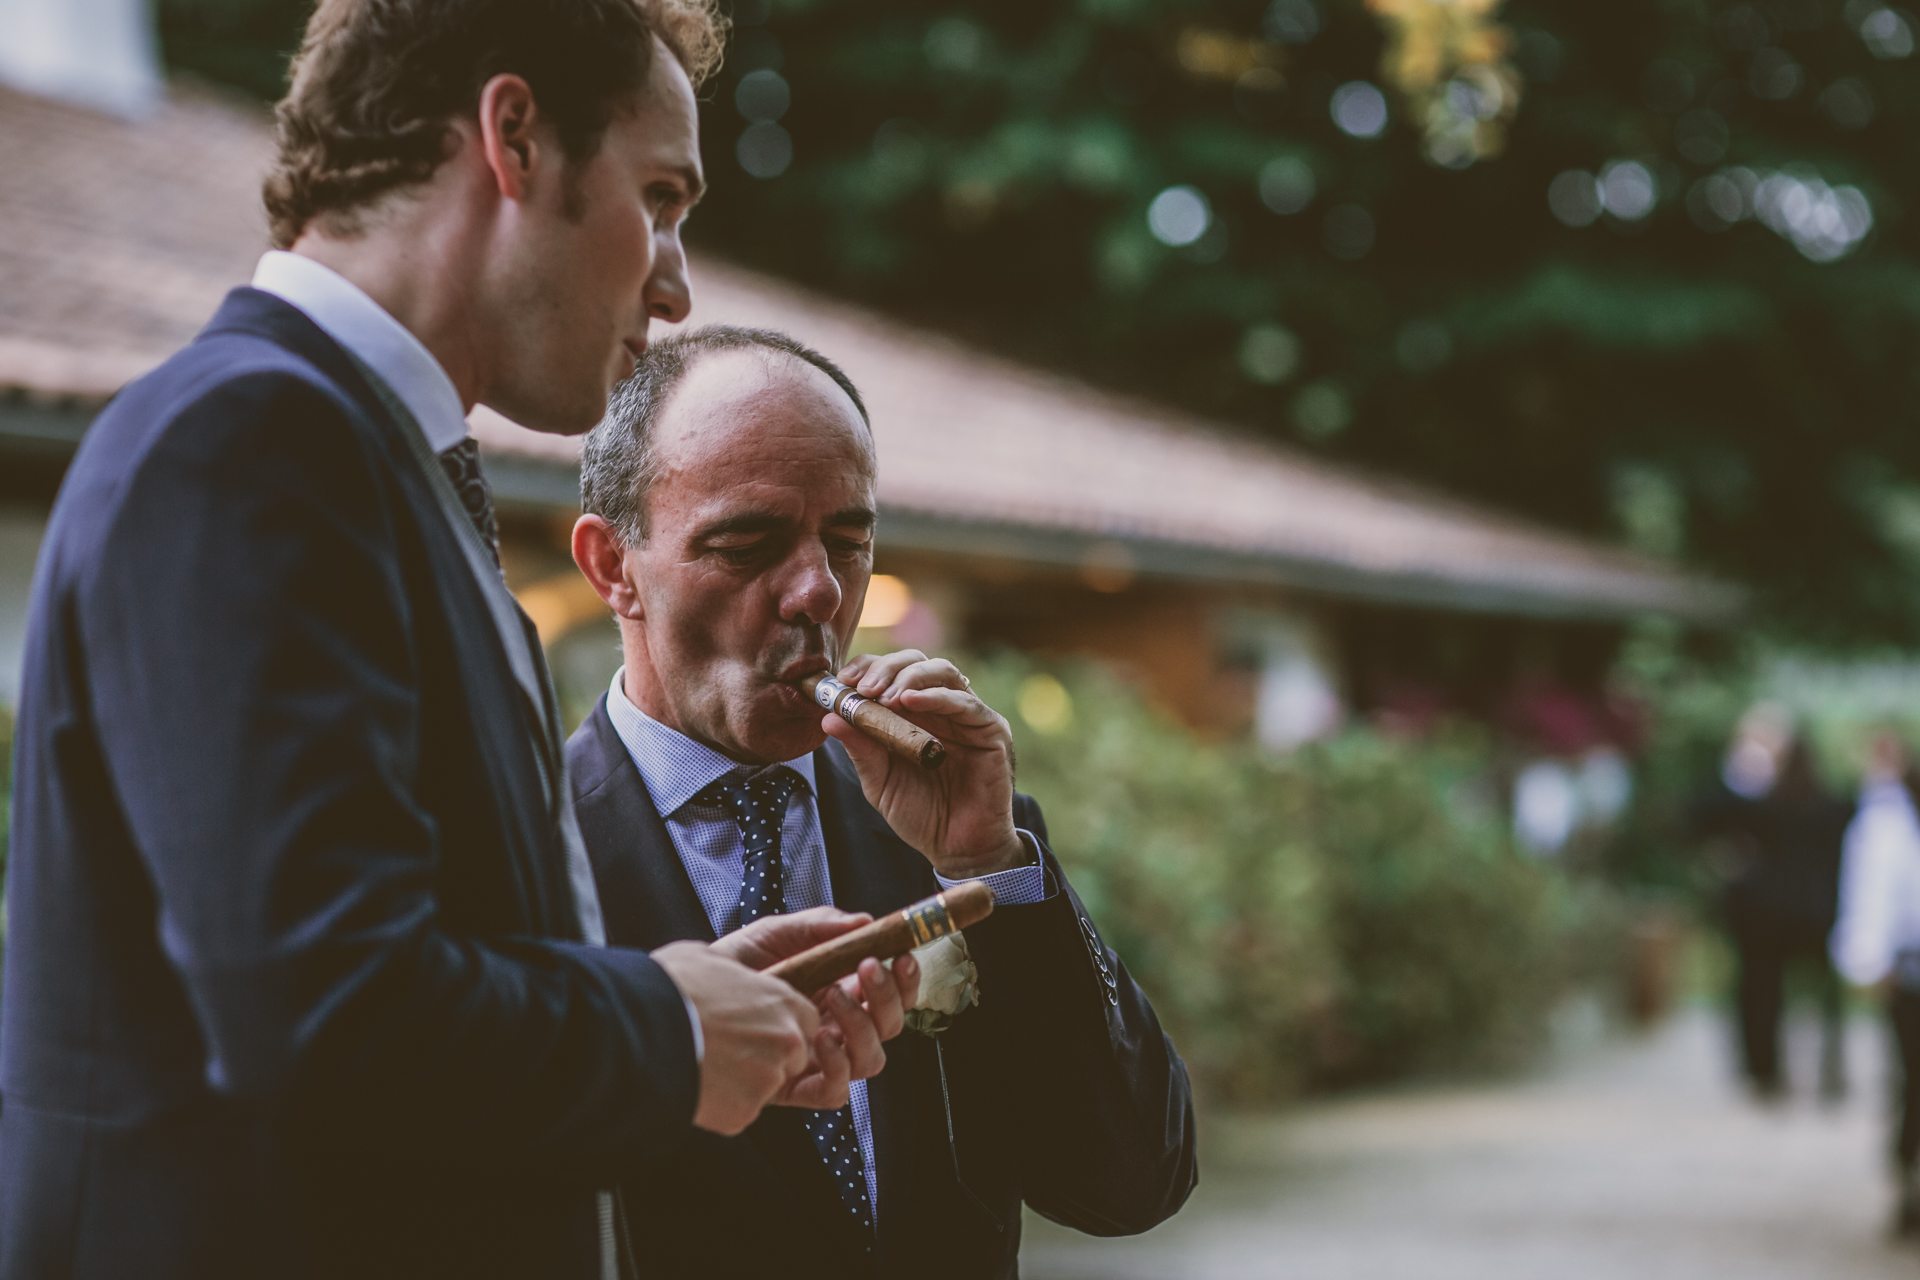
x=1782 y=832
x=1876 y=938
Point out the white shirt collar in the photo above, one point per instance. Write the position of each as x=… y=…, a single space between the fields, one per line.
x=674 y=766
x=375 y=338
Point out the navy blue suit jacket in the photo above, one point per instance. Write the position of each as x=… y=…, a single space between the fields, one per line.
x=1066 y=1095
x=289 y=984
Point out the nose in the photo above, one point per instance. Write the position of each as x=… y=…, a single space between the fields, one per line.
x=669 y=295
x=810 y=593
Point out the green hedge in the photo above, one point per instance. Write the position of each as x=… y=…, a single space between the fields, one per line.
x=1352 y=911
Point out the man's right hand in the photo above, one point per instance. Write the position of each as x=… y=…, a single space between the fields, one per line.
x=759 y=1033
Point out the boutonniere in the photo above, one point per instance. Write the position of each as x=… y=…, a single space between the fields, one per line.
x=949 y=984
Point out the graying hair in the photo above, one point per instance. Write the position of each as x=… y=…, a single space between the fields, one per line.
x=618 y=462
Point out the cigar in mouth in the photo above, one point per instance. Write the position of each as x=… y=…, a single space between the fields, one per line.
x=889 y=728
x=960 y=907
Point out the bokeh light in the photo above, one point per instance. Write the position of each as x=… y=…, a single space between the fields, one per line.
x=1848 y=103
x=1322 y=411
x=954 y=44
x=1359 y=109
x=1269 y=354
x=762 y=96
x=888 y=599
x=1774 y=75
x=1825 y=223
x=1574 y=197
x=765 y=150
x=1292 y=21
x=1627 y=190
x=1045 y=704
x=1179 y=216
x=1423 y=346
x=1287 y=184
x=1887 y=34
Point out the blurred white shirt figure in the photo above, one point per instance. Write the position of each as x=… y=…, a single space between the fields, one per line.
x=1877 y=936
x=1880 y=878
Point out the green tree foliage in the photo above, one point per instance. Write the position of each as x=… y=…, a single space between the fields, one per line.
x=1351 y=912
x=1700 y=386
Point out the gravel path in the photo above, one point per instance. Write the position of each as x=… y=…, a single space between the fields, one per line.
x=1634 y=1159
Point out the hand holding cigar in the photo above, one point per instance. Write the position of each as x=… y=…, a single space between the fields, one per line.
x=914 y=926
x=958 y=815
x=892 y=730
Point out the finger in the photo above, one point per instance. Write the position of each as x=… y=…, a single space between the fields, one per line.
x=859 y=1031
x=958 y=705
x=824 y=1089
x=881 y=995
x=931 y=673
x=772 y=938
x=822 y=924
x=853 y=668
x=883 y=669
x=906 y=975
x=794 y=1061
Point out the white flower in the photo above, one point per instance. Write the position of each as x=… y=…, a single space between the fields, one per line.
x=949 y=984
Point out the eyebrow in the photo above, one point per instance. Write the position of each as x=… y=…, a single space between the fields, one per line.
x=695 y=184
x=762 y=521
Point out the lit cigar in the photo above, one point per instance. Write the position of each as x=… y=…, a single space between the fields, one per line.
x=958 y=908
x=891 y=730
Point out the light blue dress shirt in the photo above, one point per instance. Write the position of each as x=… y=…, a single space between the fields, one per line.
x=676 y=769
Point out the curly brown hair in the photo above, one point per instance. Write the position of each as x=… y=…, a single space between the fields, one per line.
x=377 y=83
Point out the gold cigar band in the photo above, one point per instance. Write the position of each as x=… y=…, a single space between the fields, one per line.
x=928 y=919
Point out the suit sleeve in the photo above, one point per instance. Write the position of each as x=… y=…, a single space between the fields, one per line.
x=1104 y=1106
x=256 y=686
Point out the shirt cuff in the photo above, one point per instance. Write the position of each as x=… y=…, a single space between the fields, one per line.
x=1016 y=886
x=699 y=1039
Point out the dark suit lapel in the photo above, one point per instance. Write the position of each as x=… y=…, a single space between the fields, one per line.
x=646 y=897
x=873 y=870
x=540 y=869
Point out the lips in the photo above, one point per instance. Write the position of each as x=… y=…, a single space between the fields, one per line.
x=805 y=666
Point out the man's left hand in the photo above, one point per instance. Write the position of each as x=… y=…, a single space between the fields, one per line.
x=959 y=816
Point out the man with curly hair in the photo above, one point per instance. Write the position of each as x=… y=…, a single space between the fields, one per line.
x=306 y=973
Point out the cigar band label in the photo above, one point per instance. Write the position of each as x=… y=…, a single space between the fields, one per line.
x=928 y=919
x=838 y=698
x=827 y=691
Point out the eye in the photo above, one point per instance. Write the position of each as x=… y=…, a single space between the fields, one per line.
x=669 y=202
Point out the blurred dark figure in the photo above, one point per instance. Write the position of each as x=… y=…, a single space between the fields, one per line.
x=1780 y=901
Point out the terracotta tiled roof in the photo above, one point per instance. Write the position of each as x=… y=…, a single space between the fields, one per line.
x=117 y=239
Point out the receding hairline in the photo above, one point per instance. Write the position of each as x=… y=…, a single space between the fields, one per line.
x=774 y=361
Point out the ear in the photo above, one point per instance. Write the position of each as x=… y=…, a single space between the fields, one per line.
x=602 y=557
x=508 y=116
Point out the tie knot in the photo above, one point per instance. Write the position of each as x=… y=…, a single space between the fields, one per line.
x=756 y=795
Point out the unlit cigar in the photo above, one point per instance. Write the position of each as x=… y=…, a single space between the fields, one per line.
x=889 y=728
x=958 y=908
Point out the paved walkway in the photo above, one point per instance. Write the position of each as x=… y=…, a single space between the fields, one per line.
x=1634 y=1159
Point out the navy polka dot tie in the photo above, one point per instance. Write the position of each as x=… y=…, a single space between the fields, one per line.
x=759 y=804
x=462 y=465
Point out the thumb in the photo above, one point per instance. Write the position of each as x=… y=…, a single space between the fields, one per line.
x=870 y=759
